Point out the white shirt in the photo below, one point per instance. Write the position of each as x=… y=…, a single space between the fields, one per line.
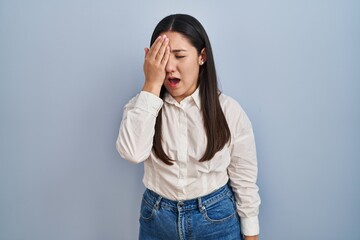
x=185 y=141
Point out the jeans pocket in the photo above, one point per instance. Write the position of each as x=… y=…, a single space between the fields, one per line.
x=147 y=211
x=220 y=211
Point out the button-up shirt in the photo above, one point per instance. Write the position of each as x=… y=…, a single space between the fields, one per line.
x=184 y=140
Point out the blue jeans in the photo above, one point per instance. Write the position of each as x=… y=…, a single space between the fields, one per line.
x=211 y=217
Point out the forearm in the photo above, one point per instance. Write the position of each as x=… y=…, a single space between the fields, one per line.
x=135 y=139
x=243 y=175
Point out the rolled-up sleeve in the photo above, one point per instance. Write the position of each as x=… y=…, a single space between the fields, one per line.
x=243 y=172
x=135 y=139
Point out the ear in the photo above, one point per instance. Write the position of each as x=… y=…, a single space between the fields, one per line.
x=202 y=56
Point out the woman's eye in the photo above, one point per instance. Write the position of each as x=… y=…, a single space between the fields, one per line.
x=179 y=56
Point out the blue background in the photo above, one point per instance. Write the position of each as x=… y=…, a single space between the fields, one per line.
x=68 y=67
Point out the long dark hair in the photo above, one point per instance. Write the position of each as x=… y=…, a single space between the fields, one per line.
x=216 y=127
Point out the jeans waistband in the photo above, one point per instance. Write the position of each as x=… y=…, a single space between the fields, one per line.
x=156 y=200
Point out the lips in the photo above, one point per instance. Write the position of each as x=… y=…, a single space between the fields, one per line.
x=173 y=81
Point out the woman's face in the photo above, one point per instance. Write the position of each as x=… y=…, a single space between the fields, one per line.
x=182 y=69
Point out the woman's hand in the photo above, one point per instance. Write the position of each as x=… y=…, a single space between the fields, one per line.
x=156 y=59
x=251 y=237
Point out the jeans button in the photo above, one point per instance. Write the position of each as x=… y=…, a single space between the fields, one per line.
x=180 y=204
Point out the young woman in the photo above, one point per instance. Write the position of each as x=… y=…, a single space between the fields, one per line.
x=197 y=144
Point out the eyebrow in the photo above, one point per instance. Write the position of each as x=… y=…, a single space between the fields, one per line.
x=178 y=50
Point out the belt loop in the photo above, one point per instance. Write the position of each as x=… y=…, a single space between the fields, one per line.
x=201 y=207
x=157 y=203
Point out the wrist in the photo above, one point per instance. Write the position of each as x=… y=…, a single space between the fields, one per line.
x=152 y=88
x=251 y=237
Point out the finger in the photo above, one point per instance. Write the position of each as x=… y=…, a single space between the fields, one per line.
x=165 y=59
x=162 y=50
x=156 y=46
x=151 y=50
x=146 y=51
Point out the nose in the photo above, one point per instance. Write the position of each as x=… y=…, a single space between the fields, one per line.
x=170 y=65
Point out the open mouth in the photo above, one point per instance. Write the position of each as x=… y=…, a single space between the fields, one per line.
x=173 y=81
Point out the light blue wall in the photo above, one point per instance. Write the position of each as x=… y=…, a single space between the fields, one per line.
x=68 y=67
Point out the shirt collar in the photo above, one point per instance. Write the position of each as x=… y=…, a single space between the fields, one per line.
x=195 y=97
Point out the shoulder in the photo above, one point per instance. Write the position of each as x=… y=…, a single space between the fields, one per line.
x=229 y=104
x=233 y=111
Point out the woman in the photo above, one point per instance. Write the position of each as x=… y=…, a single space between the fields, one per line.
x=197 y=144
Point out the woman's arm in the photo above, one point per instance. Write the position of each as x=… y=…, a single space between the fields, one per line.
x=243 y=170
x=135 y=139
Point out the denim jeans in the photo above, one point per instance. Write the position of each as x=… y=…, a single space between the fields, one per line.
x=211 y=217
